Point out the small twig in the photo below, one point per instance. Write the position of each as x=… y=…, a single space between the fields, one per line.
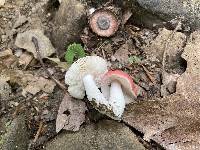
x=16 y=96
x=17 y=110
x=104 y=56
x=35 y=42
x=27 y=65
x=148 y=74
x=108 y=3
x=38 y=132
x=8 y=6
x=133 y=33
x=103 y=52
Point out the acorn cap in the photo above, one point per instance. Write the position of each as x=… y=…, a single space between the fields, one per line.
x=103 y=22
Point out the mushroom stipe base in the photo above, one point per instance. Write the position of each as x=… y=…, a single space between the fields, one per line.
x=104 y=110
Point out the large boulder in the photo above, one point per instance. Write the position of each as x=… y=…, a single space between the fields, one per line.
x=68 y=24
x=169 y=9
x=104 y=135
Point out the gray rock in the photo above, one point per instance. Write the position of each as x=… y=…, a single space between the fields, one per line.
x=102 y=136
x=169 y=9
x=69 y=22
x=16 y=137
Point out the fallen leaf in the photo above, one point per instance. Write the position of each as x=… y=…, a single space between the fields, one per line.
x=108 y=48
x=25 y=58
x=71 y=114
x=24 y=40
x=173 y=121
x=169 y=81
x=156 y=48
x=122 y=54
x=37 y=84
x=29 y=82
x=7 y=58
x=20 y=21
x=5 y=53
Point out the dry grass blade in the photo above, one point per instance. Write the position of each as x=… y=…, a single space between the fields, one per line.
x=38 y=131
x=151 y=78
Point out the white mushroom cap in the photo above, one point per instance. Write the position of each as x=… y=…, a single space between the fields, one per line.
x=93 y=65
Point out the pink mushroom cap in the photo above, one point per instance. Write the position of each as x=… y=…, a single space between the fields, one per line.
x=125 y=80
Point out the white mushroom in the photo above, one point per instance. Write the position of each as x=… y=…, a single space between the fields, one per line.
x=89 y=73
x=85 y=71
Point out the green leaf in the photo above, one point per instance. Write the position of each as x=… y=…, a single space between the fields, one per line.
x=74 y=51
x=134 y=59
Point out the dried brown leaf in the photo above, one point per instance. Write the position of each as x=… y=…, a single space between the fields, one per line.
x=6 y=53
x=37 y=84
x=122 y=54
x=29 y=82
x=156 y=48
x=173 y=121
x=24 y=40
x=20 y=21
x=25 y=59
x=71 y=114
x=7 y=58
x=2 y=2
x=169 y=81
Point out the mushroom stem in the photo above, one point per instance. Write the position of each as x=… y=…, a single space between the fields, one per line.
x=116 y=99
x=92 y=90
x=105 y=89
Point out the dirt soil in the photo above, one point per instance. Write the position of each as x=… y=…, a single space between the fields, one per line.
x=139 y=51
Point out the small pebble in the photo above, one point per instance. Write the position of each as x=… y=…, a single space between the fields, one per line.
x=2 y=2
x=113 y=58
x=171 y=87
x=12 y=104
x=18 y=52
x=91 y=10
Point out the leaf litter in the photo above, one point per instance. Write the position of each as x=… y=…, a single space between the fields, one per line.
x=173 y=121
x=24 y=40
x=71 y=114
x=30 y=83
